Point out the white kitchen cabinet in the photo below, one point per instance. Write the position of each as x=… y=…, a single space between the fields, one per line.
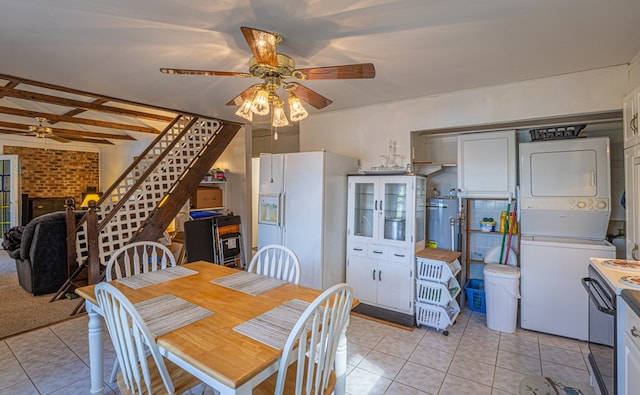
x=630 y=107
x=487 y=164
x=631 y=184
x=630 y=370
x=385 y=227
x=380 y=275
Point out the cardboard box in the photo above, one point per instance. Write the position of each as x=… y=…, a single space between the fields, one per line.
x=207 y=197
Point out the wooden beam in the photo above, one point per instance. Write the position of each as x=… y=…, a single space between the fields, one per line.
x=79 y=104
x=70 y=132
x=27 y=81
x=10 y=84
x=82 y=121
x=76 y=111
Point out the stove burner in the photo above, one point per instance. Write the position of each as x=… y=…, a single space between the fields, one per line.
x=632 y=281
x=622 y=264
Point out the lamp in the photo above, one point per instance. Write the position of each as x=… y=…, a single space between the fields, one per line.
x=90 y=194
x=265 y=97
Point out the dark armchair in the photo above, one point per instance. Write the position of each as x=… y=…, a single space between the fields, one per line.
x=41 y=260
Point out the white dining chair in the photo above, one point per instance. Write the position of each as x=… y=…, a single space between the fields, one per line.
x=139 y=257
x=276 y=261
x=143 y=369
x=136 y=258
x=316 y=334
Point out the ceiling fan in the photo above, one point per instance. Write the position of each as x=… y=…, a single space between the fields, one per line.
x=45 y=132
x=275 y=69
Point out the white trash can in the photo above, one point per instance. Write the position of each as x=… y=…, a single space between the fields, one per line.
x=502 y=291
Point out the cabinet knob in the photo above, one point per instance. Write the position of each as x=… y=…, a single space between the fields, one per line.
x=634 y=332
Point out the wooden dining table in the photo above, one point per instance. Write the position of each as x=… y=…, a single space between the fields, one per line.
x=210 y=348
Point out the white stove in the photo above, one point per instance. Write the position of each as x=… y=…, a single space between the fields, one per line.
x=607 y=278
x=618 y=273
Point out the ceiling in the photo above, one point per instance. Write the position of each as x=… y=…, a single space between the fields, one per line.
x=419 y=47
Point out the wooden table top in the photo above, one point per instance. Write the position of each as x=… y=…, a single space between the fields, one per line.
x=211 y=344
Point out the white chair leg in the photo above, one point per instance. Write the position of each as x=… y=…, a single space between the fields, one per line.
x=114 y=372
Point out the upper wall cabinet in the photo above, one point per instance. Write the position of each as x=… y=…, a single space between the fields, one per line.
x=487 y=164
x=630 y=105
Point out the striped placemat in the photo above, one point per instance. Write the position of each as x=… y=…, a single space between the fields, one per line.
x=273 y=327
x=250 y=283
x=167 y=313
x=158 y=276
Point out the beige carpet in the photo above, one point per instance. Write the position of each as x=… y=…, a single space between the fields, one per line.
x=20 y=311
x=539 y=385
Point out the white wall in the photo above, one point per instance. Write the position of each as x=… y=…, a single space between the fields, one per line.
x=634 y=72
x=365 y=132
x=115 y=159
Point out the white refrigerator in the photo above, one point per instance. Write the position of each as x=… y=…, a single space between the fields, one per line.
x=302 y=204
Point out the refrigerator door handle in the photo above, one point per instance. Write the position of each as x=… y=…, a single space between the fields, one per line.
x=374 y=274
x=281 y=213
x=376 y=206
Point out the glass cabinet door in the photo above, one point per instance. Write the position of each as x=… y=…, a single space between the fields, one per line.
x=364 y=209
x=420 y=210
x=395 y=211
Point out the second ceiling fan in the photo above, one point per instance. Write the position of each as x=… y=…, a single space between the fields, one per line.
x=275 y=69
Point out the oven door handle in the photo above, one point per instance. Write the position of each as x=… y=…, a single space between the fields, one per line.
x=587 y=283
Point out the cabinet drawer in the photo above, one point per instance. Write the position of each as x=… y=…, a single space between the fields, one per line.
x=358 y=249
x=377 y=251
x=399 y=255
x=633 y=321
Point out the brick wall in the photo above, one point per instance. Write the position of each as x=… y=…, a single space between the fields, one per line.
x=56 y=173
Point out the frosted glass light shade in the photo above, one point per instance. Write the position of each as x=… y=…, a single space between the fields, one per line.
x=261 y=103
x=297 y=112
x=245 y=110
x=279 y=119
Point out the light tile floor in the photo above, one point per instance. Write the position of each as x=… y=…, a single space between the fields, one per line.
x=382 y=359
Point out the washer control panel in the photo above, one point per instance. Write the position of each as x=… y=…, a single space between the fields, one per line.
x=573 y=204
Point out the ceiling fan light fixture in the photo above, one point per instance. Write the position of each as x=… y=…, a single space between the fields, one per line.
x=40 y=131
x=297 y=112
x=260 y=105
x=245 y=110
x=279 y=119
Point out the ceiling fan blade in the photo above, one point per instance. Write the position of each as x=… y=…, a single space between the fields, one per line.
x=59 y=139
x=247 y=93
x=347 y=71
x=205 y=72
x=315 y=99
x=262 y=45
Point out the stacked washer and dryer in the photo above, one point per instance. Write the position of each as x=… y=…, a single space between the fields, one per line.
x=565 y=205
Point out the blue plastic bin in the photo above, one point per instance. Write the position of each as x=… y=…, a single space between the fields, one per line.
x=475 y=295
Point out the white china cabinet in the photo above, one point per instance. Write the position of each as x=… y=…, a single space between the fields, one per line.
x=385 y=227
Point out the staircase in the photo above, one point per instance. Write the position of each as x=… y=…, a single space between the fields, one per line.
x=143 y=201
